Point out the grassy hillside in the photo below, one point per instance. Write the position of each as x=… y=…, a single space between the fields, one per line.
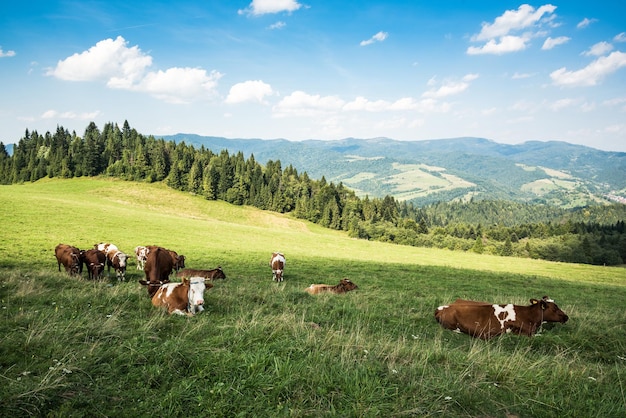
x=76 y=347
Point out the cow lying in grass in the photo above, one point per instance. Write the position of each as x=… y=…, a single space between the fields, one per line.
x=184 y=298
x=345 y=285
x=484 y=320
x=214 y=274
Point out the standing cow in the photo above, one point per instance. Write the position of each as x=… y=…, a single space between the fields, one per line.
x=178 y=260
x=159 y=266
x=485 y=320
x=94 y=261
x=70 y=257
x=277 y=262
x=142 y=254
x=115 y=258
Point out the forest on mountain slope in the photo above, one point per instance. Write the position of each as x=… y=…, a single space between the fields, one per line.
x=592 y=234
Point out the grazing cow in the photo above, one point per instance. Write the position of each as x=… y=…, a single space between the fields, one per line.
x=70 y=257
x=115 y=258
x=94 y=260
x=214 y=274
x=277 y=262
x=142 y=254
x=345 y=285
x=178 y=260
x=159 y=266
x=485 y=320
x=185 y=298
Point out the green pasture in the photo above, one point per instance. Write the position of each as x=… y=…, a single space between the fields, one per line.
x=72 y=347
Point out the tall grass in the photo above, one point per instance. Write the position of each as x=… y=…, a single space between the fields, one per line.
x=75 y=347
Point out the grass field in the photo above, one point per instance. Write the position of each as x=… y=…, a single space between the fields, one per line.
x=72 y=347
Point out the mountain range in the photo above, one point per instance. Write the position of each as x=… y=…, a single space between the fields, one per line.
x=552 y=172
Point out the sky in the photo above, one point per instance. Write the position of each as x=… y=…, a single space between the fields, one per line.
x=507 y=71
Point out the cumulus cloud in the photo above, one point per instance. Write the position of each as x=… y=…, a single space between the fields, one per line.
x=124 y=67
x=498 y=37
x=620 y=37
x=585 y=22
x=261 y=7
x=450 y=88
x=110 y=60
x=592 y=74
x=249 y=91
x=601 y=48
x=379 y=37
x=6 y=54
x=550 y=43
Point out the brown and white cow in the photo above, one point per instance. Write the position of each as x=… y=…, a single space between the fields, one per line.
x=142 y=254
x=95 y=261
x=485 y=320
x=214 y=274
x=277 y=262
x=159 y=266
x=70 y=257
x=345 y=285
x=185 y=298
x=115 y=258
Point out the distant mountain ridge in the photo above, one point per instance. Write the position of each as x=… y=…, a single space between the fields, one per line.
x=553 y=172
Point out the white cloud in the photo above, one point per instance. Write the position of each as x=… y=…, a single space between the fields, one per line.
x=585 y=22
x=249 y=91
x=278 y=25
x=109 y=60
x=524 y=17
x=450 y=88
x=592 y=74
x=620 y=37
x=6 y=54
x=261 y=7
x=53 y=114
x=562 y=104
x=300 y=103
x=550 y=43
x=519 y=76
x=121 y=67
x=497 y=35
x=505 y=45
x=363 y=104
x=601 y=48
x=379 y=37
x=180 y=85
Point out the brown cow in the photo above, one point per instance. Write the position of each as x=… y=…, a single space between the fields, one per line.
x=484 y=320
x=345 y=285
x=159 y=266
x=277 y=262
x=214 y=274
x=69 y=256
x=94 y=260
x=178 y=260
x=185 y=298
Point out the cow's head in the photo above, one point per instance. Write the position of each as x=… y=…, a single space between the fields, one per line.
x=180 y=262
x=346 y=285
x=218 y=273
x=550 y=311
x=195 y=295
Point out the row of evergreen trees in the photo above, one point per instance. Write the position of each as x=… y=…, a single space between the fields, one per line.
x=594 y=236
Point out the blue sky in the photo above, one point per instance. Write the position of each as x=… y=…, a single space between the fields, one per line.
x=408 y=70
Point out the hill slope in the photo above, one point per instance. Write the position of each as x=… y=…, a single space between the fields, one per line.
x=553 y=172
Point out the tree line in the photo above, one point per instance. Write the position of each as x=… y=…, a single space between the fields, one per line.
x=593 y=235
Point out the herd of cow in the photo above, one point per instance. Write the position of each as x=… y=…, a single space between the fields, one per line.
x=478 y=319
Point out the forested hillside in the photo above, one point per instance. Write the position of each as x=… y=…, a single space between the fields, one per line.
x=593 y=234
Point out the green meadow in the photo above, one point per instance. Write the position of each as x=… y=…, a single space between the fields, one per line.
x=73 y=347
